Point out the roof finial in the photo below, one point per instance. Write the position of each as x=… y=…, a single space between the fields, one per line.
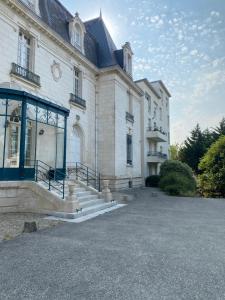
x=100 y=13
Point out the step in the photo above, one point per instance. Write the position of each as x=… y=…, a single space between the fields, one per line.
x=86 y=198
x=86 y=211
x=91 y=203
x=83 y=193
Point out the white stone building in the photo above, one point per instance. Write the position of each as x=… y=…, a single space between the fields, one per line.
x=68 y=98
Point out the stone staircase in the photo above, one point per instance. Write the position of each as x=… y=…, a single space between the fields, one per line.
x=90 y=200
x=78 y=192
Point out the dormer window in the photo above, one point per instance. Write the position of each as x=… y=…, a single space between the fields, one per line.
x=127 y=58
x=77 y=32
x=77 y=35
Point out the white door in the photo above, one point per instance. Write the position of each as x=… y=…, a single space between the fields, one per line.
x=75 y=147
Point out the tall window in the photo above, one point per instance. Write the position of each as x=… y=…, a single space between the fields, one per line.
x=129 y=64
x=155 y=110
x=130 y=103
x=129 y=150
x=161 y=94
x=148 y=98
x=77 y=36
x=77 y=82
x=160 y=113
x=24 y=51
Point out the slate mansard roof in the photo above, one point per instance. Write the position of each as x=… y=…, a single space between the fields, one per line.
x=99 y=47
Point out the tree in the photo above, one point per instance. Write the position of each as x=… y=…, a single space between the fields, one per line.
x=194 y=148
x=212 y=165
x=174 y=152
x=176 y=178
x=219 y=130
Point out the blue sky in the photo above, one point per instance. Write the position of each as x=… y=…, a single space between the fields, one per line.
x=181 y=42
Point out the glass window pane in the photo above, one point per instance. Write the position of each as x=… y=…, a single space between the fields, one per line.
x=12 y=143
x=14 y=109
x=61 y=121
x=30 y=143
x=42 y=115
x=2 y=106
x=46 y=144
x=31 y=111
x=60 y=148
x=52 y=118
x=2 y=135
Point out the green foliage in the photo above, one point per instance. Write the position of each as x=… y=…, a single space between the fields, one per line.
x=174 y=152
x=195 y=146
x=219 y=130
x=212 y=179
x=176 y=178
x=152 y=181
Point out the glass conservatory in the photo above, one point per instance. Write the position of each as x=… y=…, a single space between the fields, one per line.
x=31 y=129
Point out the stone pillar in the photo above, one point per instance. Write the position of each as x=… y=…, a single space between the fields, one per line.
x=71 y=203
x=107 y=195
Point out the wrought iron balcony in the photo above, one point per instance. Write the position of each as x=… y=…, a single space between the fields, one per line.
x=156 y=134
x=156 y=157
x=129 y=117
x=158 y=154
x=25 y=73
x=77 y=100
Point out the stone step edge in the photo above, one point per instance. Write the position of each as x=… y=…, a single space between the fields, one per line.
x=84 y=212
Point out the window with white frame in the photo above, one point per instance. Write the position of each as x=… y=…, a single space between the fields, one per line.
x=25 y=50
x=77 y=36
x=129 y=150
x=129 y=64
x=160 y=113
x=149 y=123
x=155 y=110
x=148 y=98
x=130 y=102
x=77 y=82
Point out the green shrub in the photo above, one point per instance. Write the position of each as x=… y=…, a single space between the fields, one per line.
x=211 y=181
x=152 y=181
x=176 y=178
x=177 y=167
x=177 y=184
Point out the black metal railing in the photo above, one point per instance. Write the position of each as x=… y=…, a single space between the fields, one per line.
x=158 y=154
x=52 y=177
x=77 y=100
x=85 y=174
x=129 y=117
x=25 y=73
x=156 y=129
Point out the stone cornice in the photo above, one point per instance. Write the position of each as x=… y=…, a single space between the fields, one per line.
x=35 y=20
x=116 y=69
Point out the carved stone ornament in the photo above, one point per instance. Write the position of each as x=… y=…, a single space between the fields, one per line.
x=56 y=71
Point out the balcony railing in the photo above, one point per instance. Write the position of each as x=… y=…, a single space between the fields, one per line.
x=157 y=154
x=77 y=100
x=25 y=73
x=156 y=129
x=129 y=117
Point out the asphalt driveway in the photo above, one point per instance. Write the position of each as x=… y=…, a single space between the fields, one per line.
x=154 y=248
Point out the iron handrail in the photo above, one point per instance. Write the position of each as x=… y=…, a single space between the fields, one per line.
x=52 y=181
x=86 y=174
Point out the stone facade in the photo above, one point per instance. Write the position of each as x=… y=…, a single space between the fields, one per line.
x=115 y=106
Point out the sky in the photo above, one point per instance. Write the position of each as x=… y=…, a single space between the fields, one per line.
x=181 y=42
